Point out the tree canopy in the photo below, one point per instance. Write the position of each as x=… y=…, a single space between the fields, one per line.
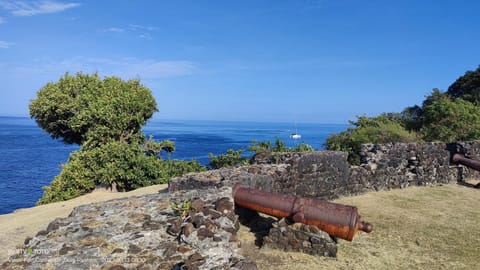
x=103 y=116
x=89 y=111
x=381 y=129
x=467 y=87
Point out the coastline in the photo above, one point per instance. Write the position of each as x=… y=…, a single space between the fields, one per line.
x=26 y=222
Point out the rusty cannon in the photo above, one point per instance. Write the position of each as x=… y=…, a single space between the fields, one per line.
x=458 y=158
x=338 y=220
x=461 y=159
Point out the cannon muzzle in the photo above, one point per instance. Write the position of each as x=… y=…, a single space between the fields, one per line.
x=338 y=220
x=461 y=159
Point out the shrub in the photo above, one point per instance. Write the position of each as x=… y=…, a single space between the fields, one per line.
x=380 y=129
x=232 y=158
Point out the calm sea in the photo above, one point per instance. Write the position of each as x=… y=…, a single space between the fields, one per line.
x=29 y=158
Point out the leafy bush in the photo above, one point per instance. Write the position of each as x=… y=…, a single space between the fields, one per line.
x=280 y=146
x=449 y=121
x=232 y=158
x=116 y=163
x=380 y=129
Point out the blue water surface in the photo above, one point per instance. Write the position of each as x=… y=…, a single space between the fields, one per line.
x=30 y=159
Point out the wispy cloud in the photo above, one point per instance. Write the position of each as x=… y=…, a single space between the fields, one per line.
x=31 y=8
x=5 y=44
x=114 y=30
x=137 y=27
x=2 y=20
x=126 y=68
x=145 y=36
x=140 y=31
x=143 y=32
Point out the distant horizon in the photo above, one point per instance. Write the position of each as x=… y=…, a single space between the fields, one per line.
x=210 y=120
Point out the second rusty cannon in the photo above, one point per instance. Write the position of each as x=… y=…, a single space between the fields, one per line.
x=458 y=158
x=338 y=220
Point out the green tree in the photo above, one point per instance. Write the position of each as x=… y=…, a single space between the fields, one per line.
x=467 y=87
x=154 y=148
x=279 y=146
x=451 y=120
x=103 y=116
x=232 y=158
x=380 y=129
x=86 y=110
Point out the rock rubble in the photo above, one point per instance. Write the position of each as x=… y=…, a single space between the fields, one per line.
x=140 y=233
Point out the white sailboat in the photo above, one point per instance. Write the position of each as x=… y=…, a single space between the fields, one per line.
x=295 y=135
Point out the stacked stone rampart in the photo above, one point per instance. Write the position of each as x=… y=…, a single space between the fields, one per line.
x=328 y=175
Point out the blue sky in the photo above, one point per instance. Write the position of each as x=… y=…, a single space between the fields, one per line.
x=305 y=61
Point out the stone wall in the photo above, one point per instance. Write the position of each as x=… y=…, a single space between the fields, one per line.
x=327 y=174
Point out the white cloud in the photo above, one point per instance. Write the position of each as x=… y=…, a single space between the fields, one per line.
x=5 y=44
x=140 y=31
x=144 y=32
x=114 y=30
x=145 y=36
x=2 y=20
x=22 y=8
x=126 y=68
x=137 y=27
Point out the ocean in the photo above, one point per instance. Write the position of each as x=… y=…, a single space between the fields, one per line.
x=30 y=159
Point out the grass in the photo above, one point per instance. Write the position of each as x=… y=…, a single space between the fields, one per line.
x=414 y=228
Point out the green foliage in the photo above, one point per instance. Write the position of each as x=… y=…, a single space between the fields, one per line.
x=88 y=111
x=125 y=165
x=260 y=147
x=182 y=209
x=279 y=146
x=380 y=129
x=448 y=121
x=443 y=117
x=72 y=181
x=154 y=148
x=104 y=117
x=232 y=158
x=467 y=87
x=173 y=168
x=303 y=147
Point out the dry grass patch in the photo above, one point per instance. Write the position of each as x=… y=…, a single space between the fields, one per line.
x=414 y=228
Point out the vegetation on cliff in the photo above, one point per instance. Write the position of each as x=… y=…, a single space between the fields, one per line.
x=233 y=158
x=448 y=116
x=104 y=117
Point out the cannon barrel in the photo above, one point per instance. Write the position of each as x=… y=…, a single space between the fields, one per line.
x=460 y=159
x=338 y=220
